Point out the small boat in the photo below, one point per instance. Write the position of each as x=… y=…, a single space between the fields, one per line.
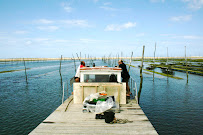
x=140 y=66
x=167 y=71
x=71 y=118
x=151 y=67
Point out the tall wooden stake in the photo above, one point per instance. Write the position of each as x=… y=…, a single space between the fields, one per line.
x=141 y=78
x=186 y=64
x=25 y=70
x=167 y=56
x=130 y=61
x=80 y=56
x=67 y=88
x=60 y=70
x=154 y=60
x=89 y=59
x=74 y=63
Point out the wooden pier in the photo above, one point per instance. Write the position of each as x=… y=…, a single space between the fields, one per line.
x=68 y=118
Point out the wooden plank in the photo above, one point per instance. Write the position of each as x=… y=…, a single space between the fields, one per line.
x=74 y=121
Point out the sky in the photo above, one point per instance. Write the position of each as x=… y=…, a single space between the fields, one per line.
x=51 y=28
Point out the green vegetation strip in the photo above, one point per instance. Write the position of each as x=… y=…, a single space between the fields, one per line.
x=182 y=68
x=147 y=73
x=13 y=70
x=198 y=72
x=131 y=65
x=171 y=76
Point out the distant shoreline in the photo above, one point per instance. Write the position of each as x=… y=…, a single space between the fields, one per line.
x=65 y=58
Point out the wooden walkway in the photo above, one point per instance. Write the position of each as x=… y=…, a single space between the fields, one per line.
x=69 y=119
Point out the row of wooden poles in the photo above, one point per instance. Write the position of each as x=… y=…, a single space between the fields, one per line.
x=79 y=58
x=167 y=63
x=107 y=59
x=117 y=58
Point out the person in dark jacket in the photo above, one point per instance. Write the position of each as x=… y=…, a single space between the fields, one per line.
x=125 y=76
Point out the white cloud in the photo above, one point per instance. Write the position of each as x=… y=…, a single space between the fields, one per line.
x=80 y=23
x=167 y=35
x=20 y=32
x=194 y=4
x=181 y=18
x=107 y=3
x=154 y=1
x=67 y=7
x=129 y=24
x=28 y=42
x=83 y=40
x=192 y=37
x=189 y=37
x=48 y=28
x=40 y=39
x=60 y=41
x=44 y=21
x=95 y=1
x=108 y=8
x=116 y=27
x=45 y=24
x=140 y=35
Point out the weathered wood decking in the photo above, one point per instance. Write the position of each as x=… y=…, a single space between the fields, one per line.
x=69 y=119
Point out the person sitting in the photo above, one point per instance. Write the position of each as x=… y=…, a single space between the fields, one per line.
x=125 y=76
x=77 y=75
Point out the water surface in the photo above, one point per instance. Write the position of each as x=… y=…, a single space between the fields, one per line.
x=172 y=106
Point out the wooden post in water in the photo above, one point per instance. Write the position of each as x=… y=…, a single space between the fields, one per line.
x=78 y=57
x=167 y=63
x=25 y=70
x=74 y=63
x=89 y=59
x=141 y=78
x=130 y=61
x=63 y=94
x=67 y=89
x=60 y=70
x=186 y=64
x=154 y=61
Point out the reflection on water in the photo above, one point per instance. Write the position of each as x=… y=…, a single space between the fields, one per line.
x=173 y=106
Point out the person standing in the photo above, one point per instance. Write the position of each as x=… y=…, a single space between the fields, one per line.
x=77 y=75
x=125 y=76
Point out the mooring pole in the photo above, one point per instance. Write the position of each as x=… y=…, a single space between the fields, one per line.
x=25 y=70
x=167 y=63
x=60 y=70
x=74 y=63
x=89 y=59
x=67 y=88
x=78 y=57
x=186 y=64
x=130 y=61
x=63 y=94
x=141 y=78
x=154 y=61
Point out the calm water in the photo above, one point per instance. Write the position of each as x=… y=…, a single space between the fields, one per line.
x=172 y=106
